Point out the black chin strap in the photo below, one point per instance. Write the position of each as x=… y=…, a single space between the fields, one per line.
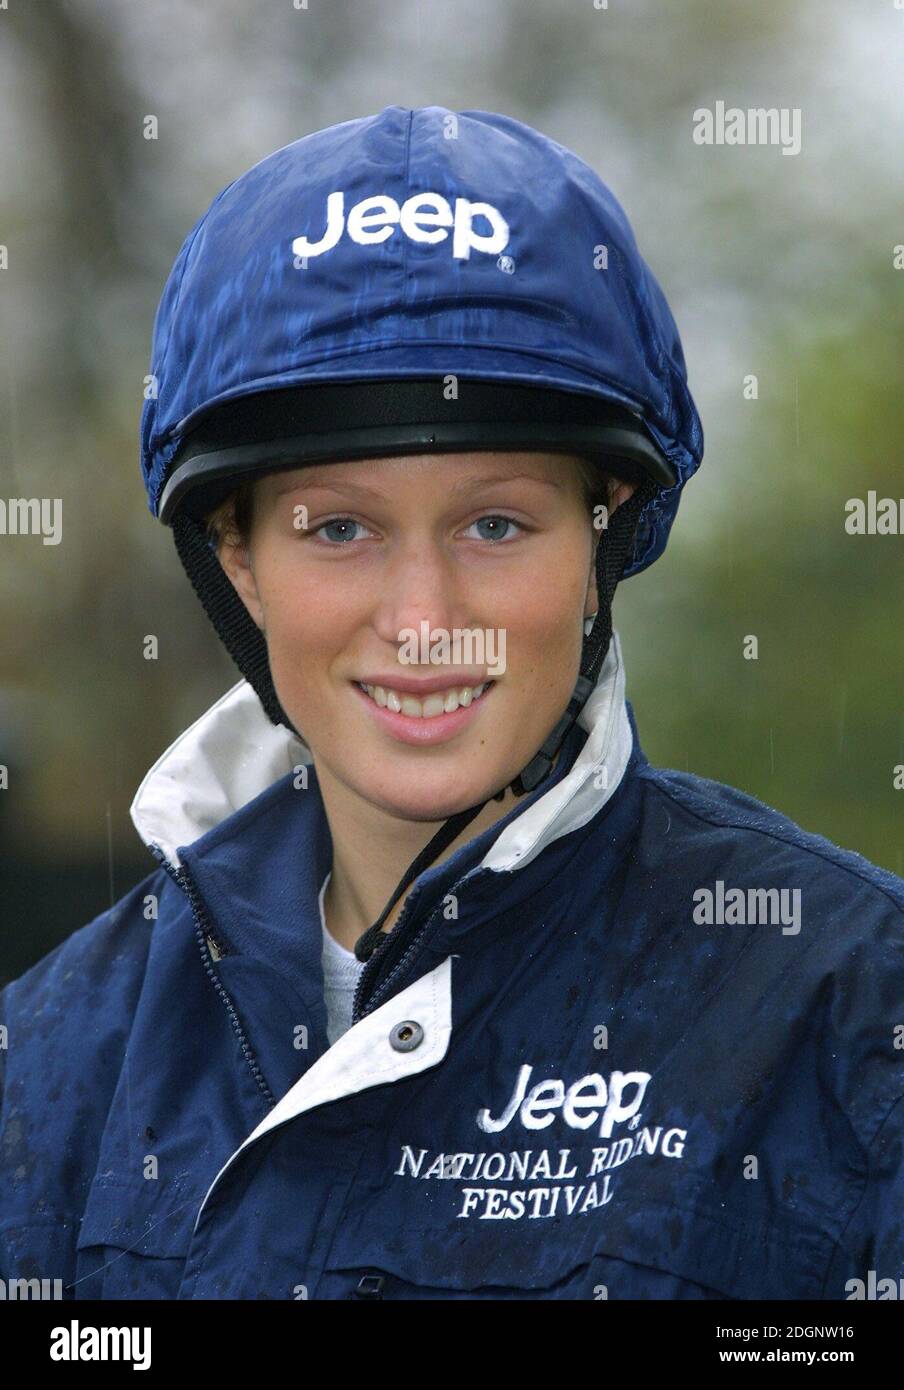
x=234 y=625
x=247 y=646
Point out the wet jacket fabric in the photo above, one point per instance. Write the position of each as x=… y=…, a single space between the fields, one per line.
x=598 y=1058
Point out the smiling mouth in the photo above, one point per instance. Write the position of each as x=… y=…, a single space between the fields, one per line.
x=432 y=706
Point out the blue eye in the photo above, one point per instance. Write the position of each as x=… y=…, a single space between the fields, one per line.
x=496 y=535
x=338 y=521
x=341 y=529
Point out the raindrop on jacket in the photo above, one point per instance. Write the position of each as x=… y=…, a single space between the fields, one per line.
x=608 y=1062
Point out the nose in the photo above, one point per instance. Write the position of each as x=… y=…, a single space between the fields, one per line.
x=418 y=584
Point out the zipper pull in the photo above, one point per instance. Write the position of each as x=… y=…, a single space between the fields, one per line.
x=370 y=1286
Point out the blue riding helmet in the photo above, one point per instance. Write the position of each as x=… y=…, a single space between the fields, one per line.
x=415 y=281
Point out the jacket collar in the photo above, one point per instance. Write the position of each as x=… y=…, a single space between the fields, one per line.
x=233 y=754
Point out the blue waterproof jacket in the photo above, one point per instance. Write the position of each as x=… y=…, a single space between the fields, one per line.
x=640 y=1039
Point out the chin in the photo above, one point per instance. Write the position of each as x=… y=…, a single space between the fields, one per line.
x=427 y=798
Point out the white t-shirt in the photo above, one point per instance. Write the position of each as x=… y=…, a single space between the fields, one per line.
x=341 y=971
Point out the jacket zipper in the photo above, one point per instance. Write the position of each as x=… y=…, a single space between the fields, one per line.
x=206 y=939
x=372 y=968
x=412 y=948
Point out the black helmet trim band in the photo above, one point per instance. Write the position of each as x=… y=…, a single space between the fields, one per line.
x=295 y=426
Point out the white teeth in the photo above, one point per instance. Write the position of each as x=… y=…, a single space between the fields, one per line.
x=441 y=702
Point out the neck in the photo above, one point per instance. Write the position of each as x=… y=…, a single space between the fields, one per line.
x=372 y=849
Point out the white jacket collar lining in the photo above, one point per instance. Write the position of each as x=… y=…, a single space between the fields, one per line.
x=232 y=753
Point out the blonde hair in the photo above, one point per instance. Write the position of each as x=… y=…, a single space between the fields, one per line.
x=231 y=519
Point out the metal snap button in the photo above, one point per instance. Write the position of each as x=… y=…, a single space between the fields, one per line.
x=405 y=1037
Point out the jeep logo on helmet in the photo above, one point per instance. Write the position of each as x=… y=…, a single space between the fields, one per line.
x=422 y=217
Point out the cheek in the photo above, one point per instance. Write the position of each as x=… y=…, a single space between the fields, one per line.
x=545 y=615
x=307 y=620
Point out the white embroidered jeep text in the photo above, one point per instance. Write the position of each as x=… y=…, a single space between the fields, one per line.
x=424 y=217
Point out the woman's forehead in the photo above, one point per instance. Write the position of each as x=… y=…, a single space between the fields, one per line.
x=454 y=471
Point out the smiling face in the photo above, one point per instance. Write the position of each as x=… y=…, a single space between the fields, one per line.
x=343 y=560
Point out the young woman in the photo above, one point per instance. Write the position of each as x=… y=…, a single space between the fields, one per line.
x=440 y=990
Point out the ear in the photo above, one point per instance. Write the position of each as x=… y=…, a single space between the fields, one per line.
x=235 y=557
x=619 y=492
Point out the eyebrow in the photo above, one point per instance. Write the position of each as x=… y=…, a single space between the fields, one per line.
x=468 y=485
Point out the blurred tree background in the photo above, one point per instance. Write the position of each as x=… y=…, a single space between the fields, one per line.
x=776 y=267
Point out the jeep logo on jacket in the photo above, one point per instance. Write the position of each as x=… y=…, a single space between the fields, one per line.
x=588 y=1101
x=581 y=1105
x=424 y=217
x=601 y=1093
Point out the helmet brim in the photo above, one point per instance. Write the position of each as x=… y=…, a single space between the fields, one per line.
x=265 y=432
